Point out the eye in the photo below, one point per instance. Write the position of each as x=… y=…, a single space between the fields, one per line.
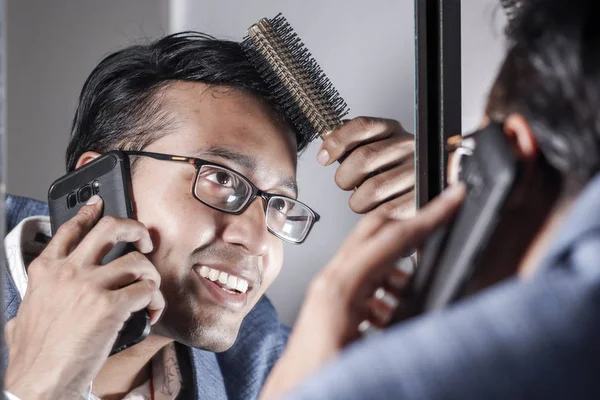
x=280 y=205
x=222 y=178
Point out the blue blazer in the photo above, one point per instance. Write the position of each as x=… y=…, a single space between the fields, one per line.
x=538 y=339
x=238 y=373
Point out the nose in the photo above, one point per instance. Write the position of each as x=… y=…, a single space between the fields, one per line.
x=249 y=229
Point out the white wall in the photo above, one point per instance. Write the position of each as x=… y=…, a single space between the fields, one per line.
x=483 y=48
x=52 y=47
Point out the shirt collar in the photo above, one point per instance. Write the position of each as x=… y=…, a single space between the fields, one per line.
x=25 y=242
x=582 y=219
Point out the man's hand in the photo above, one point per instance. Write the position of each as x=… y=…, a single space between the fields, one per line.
x=377 y=161
x=74 y=308
x=339 y=298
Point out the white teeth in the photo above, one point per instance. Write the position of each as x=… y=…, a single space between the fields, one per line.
x=213 y=275
x=223 y=277
x=204 y=271
x=231 y=282
x=242 y=285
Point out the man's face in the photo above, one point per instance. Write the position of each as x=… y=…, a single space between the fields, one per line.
x=236 y=130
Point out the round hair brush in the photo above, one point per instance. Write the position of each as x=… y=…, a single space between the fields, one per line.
x=298 y=84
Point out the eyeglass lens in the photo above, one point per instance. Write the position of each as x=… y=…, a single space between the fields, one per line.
x=228 y=191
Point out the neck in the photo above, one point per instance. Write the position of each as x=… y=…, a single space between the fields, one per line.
x=128 y=369
x=539 y=247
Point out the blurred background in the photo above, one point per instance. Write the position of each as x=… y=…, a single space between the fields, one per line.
x=365 y=47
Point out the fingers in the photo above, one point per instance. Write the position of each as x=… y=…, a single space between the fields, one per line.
x=107 y=232
x=436 y=213
x=70 y=234
x=398 y=181
x=142 y=294
x=377 y=162
x=353 y=133
x=377 y=242
x=381 y=307
x=403 y=207
x=123 y=271
x=396 y=281
x=373 y=157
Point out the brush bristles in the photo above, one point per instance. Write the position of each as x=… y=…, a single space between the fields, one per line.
x=299 y=85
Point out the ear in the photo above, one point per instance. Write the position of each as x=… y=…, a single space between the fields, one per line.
x=518 y=130
x=86 y=158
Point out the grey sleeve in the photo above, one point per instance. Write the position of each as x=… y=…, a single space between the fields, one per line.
x=538 y=339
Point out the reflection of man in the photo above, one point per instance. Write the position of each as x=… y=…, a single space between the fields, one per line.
x=534 y=336
x=214 y=167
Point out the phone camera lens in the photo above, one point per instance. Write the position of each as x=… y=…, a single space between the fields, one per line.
x=84 y=194
x=96 y=187
x=71 y=200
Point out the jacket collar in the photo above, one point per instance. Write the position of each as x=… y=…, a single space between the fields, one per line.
x=583 y=219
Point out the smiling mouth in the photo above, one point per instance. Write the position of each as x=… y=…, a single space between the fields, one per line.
x=229 y=283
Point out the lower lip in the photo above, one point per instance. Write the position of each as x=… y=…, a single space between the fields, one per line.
x=230 y=300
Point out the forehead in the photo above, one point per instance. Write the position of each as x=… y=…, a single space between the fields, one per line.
x=205 y=116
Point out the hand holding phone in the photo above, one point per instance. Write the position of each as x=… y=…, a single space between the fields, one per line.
x=107 y=176
x=74 y=308
x=450 y=258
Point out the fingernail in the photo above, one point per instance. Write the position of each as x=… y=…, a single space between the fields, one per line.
x=147 y=247
x=455 y=190
x=323 y=157
x=95 y=199
x=155 y=317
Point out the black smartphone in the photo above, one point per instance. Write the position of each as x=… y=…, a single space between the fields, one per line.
x=107 y=176
x=449 y=259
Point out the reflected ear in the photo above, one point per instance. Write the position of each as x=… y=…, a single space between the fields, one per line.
x=519 y=132
x=86 y=158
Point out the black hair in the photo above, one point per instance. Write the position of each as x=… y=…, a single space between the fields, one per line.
x=551 y=75
x=120 y=104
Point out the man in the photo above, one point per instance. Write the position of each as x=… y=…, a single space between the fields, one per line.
x=196 y=98
x=535 y=335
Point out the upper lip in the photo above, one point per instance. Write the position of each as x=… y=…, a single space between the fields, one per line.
x=246 y=273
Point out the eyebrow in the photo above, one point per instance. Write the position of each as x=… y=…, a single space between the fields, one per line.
x=244 y=160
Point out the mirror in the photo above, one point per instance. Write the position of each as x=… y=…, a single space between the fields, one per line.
x=482 y=32
x=365 y=48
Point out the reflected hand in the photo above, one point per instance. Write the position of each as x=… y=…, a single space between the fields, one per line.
x=74 y=308
x=377 y=162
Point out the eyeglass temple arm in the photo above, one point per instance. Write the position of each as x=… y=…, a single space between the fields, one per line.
x=160 y=156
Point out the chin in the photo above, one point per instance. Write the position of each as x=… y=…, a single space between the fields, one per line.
x=215 y=337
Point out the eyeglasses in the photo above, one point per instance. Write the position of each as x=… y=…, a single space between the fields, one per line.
x=226 y=190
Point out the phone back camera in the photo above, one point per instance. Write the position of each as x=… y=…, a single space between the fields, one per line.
x=96 y=187
x=71 y=200
x=84 y=193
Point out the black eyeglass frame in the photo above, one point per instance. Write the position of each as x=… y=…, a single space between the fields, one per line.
x=198 y=163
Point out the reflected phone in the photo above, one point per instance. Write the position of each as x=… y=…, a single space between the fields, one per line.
x=450 y=257
x=107 y=176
